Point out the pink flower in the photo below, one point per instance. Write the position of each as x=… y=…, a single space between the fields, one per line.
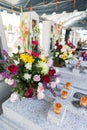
x=35 y=54
x=29 y=52
x=24 y=40
x=40 y=96
x=36 y=78
x=53 y=84
x=14 y=97
x=40 y=89
x=35 y=43
x=63 y=50
x=20 y=38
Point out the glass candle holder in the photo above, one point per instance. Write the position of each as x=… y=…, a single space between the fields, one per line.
x=68 y=85
x=83 y=101
x=57 y=108
x=64 y=94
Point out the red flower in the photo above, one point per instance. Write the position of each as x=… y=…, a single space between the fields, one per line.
x=35 y=54
x=60 y=46
x=57 y=43
x=46 y=78
x=13 y=68
x=35 y=43
x=29 y=93
x=52 y=72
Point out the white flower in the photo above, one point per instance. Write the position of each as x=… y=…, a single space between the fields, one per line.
x=60 y=56
x=53 y=84
x=9 y=81
x=40 y=84
x=6 y=80
x=14 y=97
x=40 y=89
x=57 y=80
x=50 y=62
x=27 y=76
x=40 y=96
x=56 y=54
x=55 y=47
x=43 y=66
x=28 y=66
x=42 y=56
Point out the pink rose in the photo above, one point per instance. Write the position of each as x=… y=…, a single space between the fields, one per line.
x=36 y=78
x=40 y=89
x=14 y=97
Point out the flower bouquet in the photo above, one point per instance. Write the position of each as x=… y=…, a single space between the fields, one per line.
x=28 y=73
x=61 y=53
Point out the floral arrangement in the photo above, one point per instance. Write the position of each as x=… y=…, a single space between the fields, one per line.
x=61 y=53
x=36 y=29
x=36 y=32
x=29 y=73
x=24 y=34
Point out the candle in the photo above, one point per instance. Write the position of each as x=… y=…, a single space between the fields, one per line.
x=83 y=101
x=64 y=94
x=57 y=108
x=68 y=85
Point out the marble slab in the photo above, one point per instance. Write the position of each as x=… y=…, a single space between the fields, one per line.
x=32 y=114
x=77 y=79
x=56 y=118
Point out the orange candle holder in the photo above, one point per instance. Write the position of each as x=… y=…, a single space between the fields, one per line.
x=68 y=85
x=83 y=101
x=64 y=94
x=57 y=108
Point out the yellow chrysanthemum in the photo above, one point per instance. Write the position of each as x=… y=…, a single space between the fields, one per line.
x=26 y=58
x=30 y=59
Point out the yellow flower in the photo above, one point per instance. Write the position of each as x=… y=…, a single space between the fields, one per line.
x=26 y=58
x=44 y=59
x=64 y=56
x=30 y=59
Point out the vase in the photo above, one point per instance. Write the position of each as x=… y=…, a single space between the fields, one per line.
x=57 y=64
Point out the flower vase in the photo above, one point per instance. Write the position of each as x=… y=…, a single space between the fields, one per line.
x=57 y=64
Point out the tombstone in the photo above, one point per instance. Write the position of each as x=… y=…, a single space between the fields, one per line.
x=3 y=43
x=32 y=20
x=4 y=89
x=48 y=36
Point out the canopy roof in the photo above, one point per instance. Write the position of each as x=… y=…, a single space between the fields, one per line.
x=44 y=6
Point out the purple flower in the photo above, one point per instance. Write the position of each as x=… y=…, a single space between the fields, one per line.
x=4 y=61
x=85 y=58
x=14 y=84
x=4 y=52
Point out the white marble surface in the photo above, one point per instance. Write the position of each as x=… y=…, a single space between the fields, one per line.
x=32 y=113
x=77 y=79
